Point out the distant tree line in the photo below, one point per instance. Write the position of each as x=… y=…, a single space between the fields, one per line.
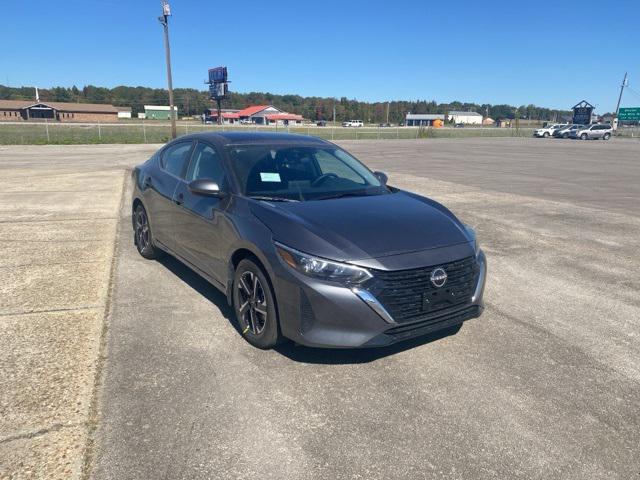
x=193 y=102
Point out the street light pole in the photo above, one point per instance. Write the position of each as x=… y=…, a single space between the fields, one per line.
x=164 y=20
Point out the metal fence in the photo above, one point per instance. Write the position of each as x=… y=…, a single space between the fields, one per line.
x=630 y=132
x=155 y=132
x=159 y=132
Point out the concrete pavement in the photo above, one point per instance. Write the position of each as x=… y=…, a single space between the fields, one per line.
x=57 y=231
x=544 y=385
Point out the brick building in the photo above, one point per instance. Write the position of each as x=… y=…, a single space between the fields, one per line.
x=25 y=110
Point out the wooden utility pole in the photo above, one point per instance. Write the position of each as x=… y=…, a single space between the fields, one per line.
x=624 y=84
x=164 y=20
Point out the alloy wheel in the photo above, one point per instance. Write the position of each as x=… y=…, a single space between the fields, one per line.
x=142 y=229
x=252 y=308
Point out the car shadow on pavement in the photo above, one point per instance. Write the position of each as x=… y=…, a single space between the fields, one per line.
x=299 y=353
x=200 y=285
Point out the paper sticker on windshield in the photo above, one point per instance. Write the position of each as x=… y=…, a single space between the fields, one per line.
x=269 y=177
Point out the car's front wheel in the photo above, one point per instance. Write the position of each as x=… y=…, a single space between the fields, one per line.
x=565 y=135
x=583 y=136
x=546 y=135
x=255 y=307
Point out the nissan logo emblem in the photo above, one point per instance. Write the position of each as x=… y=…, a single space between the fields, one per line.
x=438 y=277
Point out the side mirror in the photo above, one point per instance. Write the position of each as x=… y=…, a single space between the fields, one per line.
x=205 y=187
x=382 y=177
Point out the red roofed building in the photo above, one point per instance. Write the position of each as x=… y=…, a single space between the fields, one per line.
x=228 y=116
x=284 y=118
x=256 y=115
x=256 y=109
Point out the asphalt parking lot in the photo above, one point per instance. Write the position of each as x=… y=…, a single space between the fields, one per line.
x=546 y=384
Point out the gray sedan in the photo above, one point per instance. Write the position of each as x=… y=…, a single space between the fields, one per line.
x=305 y=241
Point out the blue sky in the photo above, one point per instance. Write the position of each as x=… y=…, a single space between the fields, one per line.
x=547 y=53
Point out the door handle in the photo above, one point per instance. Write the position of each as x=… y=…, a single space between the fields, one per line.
x=179 y=199
x=147 y=182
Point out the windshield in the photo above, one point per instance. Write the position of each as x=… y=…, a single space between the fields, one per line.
x=301 y=172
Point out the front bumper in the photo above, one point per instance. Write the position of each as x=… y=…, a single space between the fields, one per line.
x=319 y=314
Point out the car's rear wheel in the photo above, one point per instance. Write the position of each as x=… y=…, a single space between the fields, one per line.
x=255 y=306
x=142 y=236
x=565 y=135
x=583 y=136
x=606 y=136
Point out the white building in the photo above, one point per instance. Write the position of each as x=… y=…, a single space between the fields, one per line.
x=471 y=118
x=124 y=112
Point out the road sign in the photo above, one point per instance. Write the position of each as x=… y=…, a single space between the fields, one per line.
x=629 y=114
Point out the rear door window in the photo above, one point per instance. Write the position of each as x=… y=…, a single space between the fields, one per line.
x=174 y=158
x=205 y=163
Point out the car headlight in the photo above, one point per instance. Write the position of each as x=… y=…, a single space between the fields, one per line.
x=321 y=268
x=472 y=234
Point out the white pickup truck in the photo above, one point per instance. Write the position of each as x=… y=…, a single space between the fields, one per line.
x=353 y=123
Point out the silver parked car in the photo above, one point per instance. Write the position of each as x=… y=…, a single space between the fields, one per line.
x=565 y=132
x=593 y=132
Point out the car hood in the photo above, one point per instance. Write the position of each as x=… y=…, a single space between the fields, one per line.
x=356 y=228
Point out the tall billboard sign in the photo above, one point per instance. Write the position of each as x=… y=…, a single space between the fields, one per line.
x=218 y=87
x=218 y=75
x=582 y=113
x=217 y=90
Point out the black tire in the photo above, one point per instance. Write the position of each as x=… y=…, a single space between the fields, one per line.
x=546 y=135
x=583 y=136
x=142 y=236
x=255 y=306
x=565 y=135
x=606 y=136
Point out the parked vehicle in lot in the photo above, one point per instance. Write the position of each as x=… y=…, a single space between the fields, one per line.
x=305 y=241
x=593 y=132
x=321 y=123
x=353 y=123
x=565 y=132
x=547 y=131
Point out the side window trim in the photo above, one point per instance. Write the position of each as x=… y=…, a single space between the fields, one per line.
x=186 y=164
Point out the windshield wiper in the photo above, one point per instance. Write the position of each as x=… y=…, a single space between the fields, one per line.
x=344 y=194
x=273 y=199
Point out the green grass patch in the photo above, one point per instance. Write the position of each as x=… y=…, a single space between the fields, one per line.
x=158 y=132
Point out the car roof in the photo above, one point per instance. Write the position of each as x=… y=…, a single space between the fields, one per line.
x=254 y=138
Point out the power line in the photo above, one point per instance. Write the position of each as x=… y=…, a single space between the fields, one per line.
x=633 y=91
